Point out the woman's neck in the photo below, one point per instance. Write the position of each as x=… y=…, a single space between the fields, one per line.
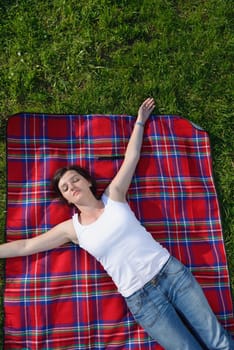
x=90 y=204
x=91 y=212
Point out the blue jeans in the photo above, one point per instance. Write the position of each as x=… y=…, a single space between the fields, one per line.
x=174 y=311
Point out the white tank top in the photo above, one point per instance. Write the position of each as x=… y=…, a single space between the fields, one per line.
x=122 y=245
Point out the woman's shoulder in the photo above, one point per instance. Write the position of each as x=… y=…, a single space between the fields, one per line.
x=108 y=198
x=115 y=194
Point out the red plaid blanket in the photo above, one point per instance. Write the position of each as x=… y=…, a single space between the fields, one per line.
x=63 y=299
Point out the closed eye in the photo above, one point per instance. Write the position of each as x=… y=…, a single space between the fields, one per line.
x=64 y=188
x=75 y=179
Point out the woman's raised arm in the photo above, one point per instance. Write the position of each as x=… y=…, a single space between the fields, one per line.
x=57 y=236
x=119 y=185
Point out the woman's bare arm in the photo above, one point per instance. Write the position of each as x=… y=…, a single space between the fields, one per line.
x=57 y=236
x=119 y=186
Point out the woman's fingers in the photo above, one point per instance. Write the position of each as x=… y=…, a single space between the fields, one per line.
x=146 y=109
x=149 y=104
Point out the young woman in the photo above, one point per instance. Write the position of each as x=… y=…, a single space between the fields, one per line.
x=161 y=293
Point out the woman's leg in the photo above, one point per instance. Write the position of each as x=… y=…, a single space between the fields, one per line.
x=181 y=288
x=153 y=311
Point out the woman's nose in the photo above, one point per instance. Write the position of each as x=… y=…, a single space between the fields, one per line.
x=71 y=187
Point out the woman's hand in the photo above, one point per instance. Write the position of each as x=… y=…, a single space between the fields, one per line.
x=145 y=110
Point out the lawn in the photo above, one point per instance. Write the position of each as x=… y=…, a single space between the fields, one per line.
x=100 y=56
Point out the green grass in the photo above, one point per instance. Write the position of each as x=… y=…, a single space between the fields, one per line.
x=100 y=56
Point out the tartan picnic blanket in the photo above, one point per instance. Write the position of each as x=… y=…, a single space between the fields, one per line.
x=63 y=299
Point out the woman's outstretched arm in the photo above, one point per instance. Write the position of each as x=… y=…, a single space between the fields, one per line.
x=57 y=236
x=119 y=186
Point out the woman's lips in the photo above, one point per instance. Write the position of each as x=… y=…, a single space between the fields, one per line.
x=75 y=193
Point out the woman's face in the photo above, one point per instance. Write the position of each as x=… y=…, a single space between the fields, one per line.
x=73 y=186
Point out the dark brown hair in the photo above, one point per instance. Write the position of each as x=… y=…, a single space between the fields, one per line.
x=83 y=172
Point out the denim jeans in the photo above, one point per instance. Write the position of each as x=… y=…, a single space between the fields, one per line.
x=174 y=311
